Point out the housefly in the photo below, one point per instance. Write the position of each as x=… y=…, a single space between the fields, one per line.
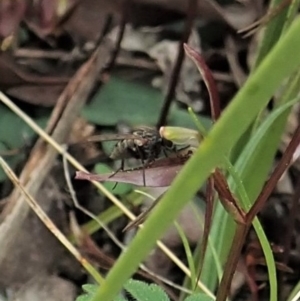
x=144 y=143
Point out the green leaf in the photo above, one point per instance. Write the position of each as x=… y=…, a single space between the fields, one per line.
x=142 y=291
x=11 y=160
x=84 y=297
x=120 y=189
x=90 y=289
x=133 y=103
x=121 y=100
x=13 y=134
x=198 y=297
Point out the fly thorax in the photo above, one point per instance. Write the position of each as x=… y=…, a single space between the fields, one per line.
x=138 y=142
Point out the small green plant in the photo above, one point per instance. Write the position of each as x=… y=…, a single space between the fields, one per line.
x=140 y=291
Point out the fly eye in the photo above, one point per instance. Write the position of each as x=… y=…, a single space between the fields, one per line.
x=168 y=143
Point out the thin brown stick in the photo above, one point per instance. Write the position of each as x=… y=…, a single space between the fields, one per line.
x=125 y=10
x=191 y=14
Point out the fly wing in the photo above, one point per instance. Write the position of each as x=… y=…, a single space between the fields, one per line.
x=113 y=137
x=141 y=133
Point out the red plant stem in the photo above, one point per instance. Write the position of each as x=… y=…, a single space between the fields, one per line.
x=227 y=198
x=231 y=263
x=210 y=195
x=208 y=79
x=277 y=173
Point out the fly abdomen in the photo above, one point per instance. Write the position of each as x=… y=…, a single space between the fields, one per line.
x=124 y=149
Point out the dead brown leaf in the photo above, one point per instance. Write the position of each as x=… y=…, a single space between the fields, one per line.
x=160 y=174
x=15 y=75
x=46 y=17
x=89 y=18
x=11 y=14
x=45 y=96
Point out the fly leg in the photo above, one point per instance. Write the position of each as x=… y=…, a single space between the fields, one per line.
x=144 y=175
x=121 y=168
x=165 y=153
x=141 y=156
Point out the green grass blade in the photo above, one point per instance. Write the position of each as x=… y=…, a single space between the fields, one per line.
x=188 y=253
x=272 y=32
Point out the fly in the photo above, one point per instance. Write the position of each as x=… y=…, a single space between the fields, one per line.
x=144 y=143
